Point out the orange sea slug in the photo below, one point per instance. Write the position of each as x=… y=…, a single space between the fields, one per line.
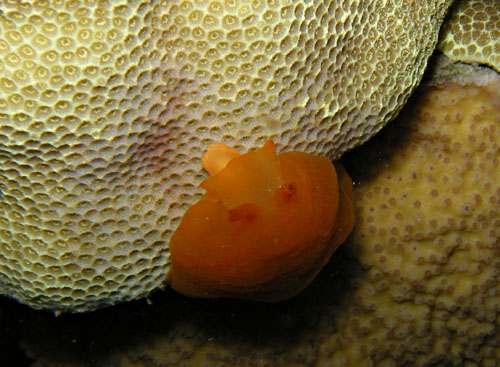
x=265 y=227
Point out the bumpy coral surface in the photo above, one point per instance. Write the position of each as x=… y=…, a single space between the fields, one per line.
x=472 y=33
x=106 y=107
x=416 y=285
x=428 y=225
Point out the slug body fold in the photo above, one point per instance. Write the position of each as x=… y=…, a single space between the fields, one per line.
x=265 y=227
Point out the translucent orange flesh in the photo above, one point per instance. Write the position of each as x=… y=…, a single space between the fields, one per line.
x=217 y=157
x=265 y=227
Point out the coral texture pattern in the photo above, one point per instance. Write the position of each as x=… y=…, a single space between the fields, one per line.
x=106 y=107
x=472 y=33
x=415 y=285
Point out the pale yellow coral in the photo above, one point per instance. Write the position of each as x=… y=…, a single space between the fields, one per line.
x=427 y=219
x=472 y=33
x=106 y=107
x=416 y=285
